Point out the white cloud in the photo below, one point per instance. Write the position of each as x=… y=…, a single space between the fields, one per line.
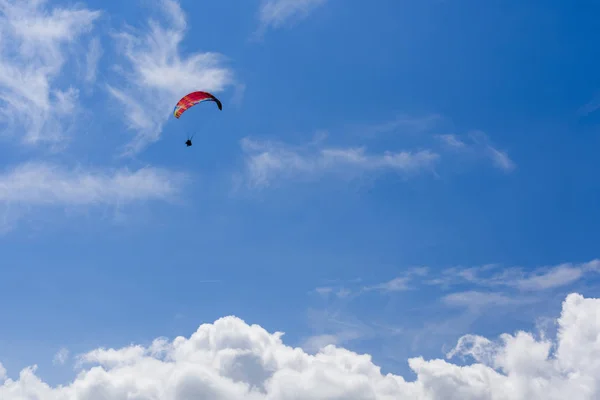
x=233 y=360
x=452 y=140
x=47 y=184
x=34 y=47
x=560 y=275
x=33 y=185
x=395 y=285
x=478 y=348
x=275 y=13
x=477 y=144
x=113 y=358
x=538 y=279
x=324 y=290
x=403 y=124
x=592 y=106
x=238 y=94
x=400 y=283
x=315 y=343
x=501 y=159
x=476 y=300
x=91 y=59
x=61 y=357
x=266 y=161
x=157 y=75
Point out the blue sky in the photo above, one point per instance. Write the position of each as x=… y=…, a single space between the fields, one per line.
x=385 y=176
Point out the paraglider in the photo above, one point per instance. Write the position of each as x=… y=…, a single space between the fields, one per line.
x=190 y=100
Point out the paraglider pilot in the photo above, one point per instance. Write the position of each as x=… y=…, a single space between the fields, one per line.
x=190 y=100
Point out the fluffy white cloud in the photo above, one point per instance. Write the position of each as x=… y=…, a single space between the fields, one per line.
x=33 y=185
x=233 y=360
x=157 y=75
x=266 y=161
x=34 y=46
x=275 y=13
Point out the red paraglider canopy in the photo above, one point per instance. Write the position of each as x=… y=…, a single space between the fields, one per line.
x=191 y=100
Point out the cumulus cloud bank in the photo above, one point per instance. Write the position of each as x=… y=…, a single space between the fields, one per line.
x=233 y=360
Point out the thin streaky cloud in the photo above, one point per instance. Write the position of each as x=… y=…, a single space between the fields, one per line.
x=41 y=184
x=501 y=159
x=590 y=107
x=267 y=161
x=33 y=186
x=92 y=58
x=478 y=145
x=537 y=279
x=275 y=13
x=404 y=124
x=558 y=276
x=478 y=299
x=452 y=140
x=393 y=285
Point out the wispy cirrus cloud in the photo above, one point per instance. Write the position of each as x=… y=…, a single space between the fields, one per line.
x=477 y=144
x=422 y=149
x=157 y=74
x=474 y=144
x=590 y=107
x=530 y=280
x=36 y=185
x=402 y=124
x=481 y=279
x=461 y=294
x=40 y=184
x=406 y=281
x=394 y=285
x=35 y=46
x=475 y=299
x=92 y=58
x=276 y=13
x=267 y=161
x=326 y=291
